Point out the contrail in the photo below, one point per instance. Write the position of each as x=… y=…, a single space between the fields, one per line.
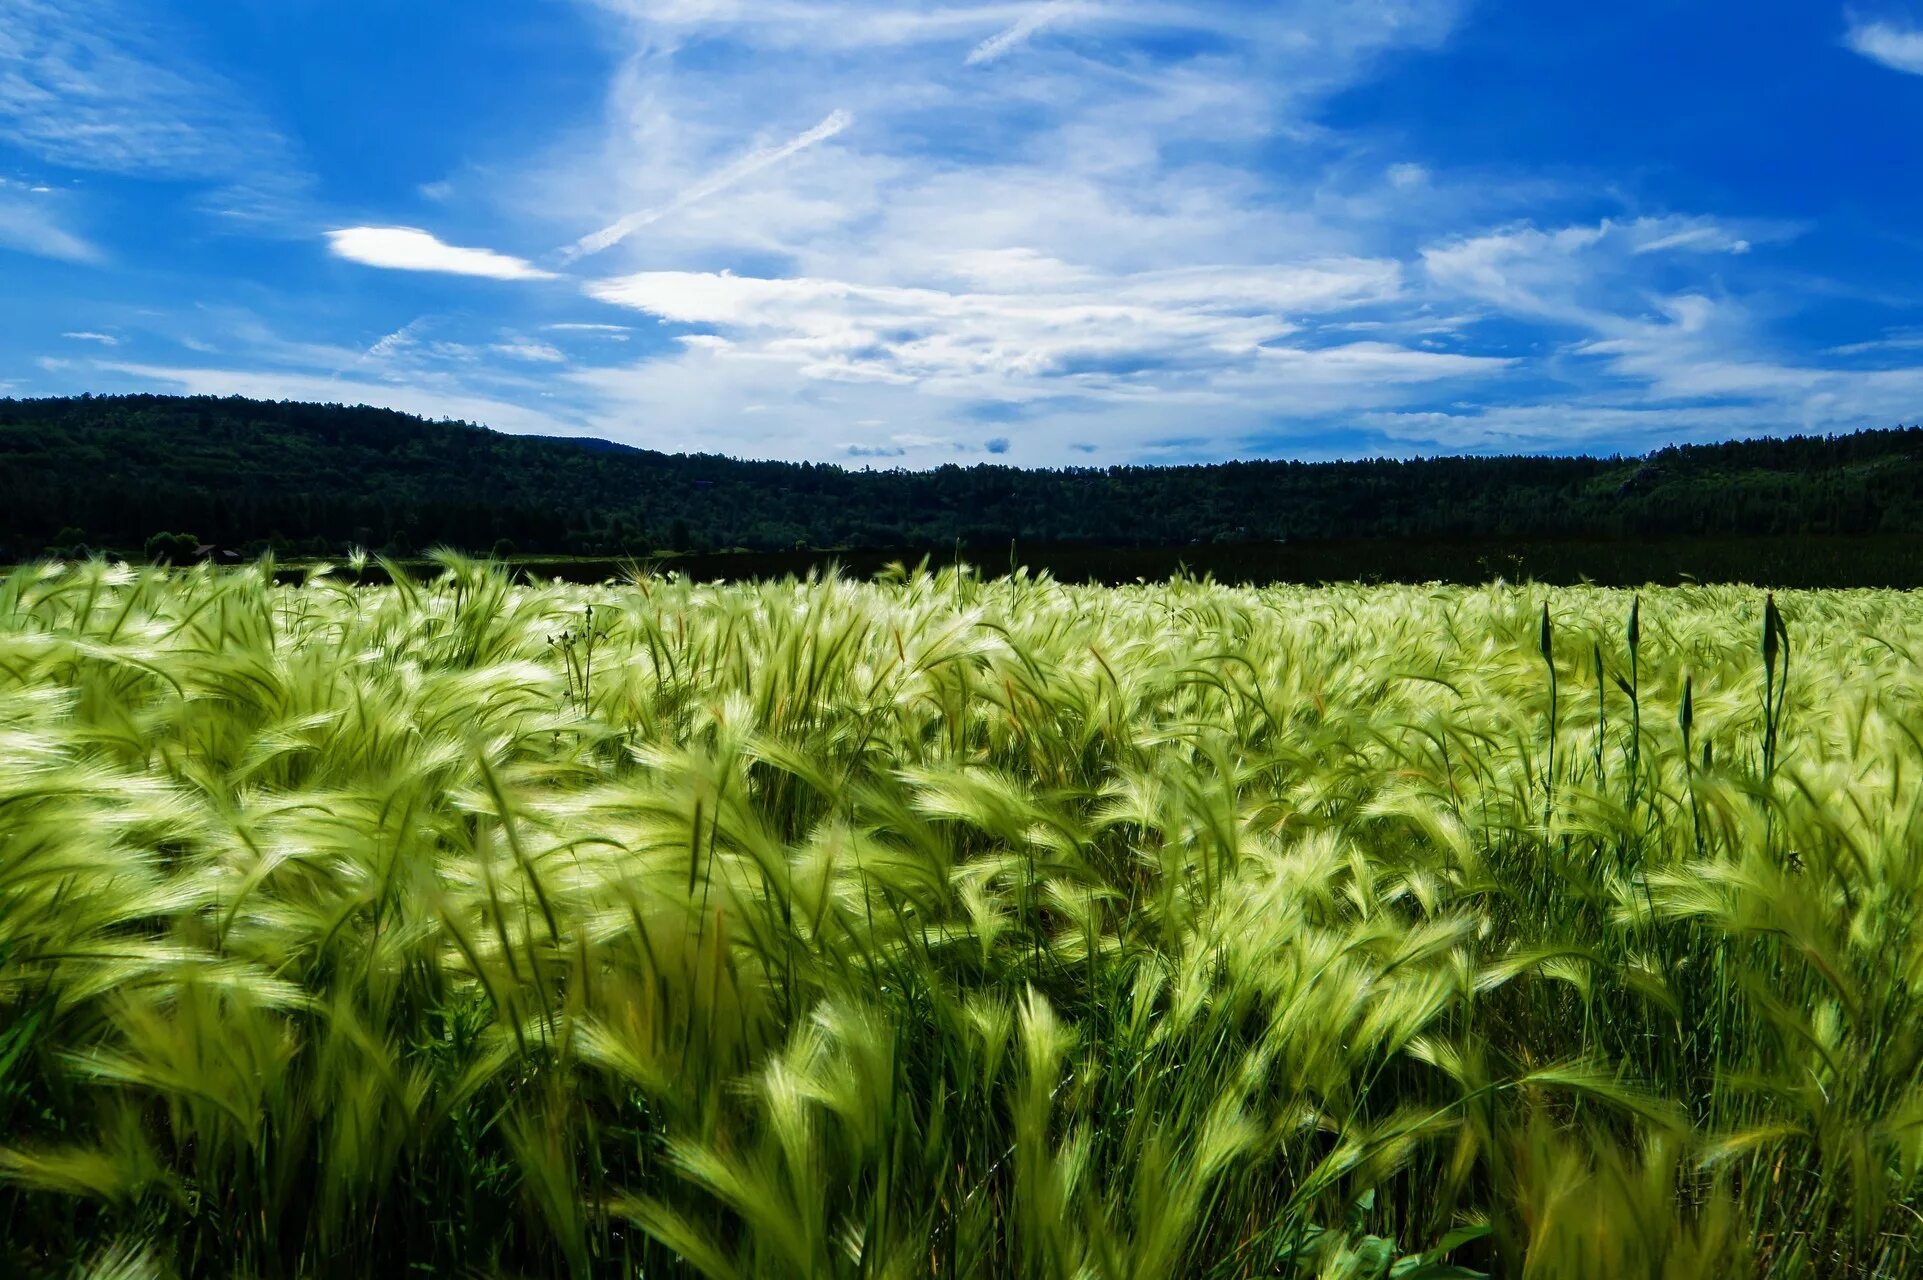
x=1017 y=33
x=752 y=163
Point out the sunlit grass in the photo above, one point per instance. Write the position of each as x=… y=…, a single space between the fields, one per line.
x=955 y=927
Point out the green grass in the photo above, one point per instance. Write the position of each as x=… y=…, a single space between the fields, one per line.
x=942 y=926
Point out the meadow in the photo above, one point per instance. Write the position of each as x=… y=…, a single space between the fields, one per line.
x=937 y=925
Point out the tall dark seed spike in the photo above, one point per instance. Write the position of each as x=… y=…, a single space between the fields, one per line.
x=1635 y=623
x=1772 y=626
x=1546 y=635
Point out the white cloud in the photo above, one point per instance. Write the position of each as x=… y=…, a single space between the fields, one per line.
x=717 y=399
x=1702 y=238
x=1011 y=268
x=83 y=335
x=1407 y=176
x=1577 y=274
x=534 y=352
x=1896 y=47
x=1519 y=269
x=1102 y=337
x=1221 y=352
x=1378 y=362
x=1554 y=426
x=411 y=249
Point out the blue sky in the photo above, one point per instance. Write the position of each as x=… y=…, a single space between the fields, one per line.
x=1066 y=231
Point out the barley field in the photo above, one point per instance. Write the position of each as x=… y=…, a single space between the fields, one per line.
x=941 y=926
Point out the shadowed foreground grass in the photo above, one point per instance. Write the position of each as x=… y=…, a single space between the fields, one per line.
x=945 y=927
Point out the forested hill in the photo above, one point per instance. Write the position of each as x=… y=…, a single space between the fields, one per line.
x=108 y=473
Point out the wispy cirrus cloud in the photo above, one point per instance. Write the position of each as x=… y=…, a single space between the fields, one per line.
x=412 y=249
x=1897 y=46
x=436 y=365
x=1575 y=273
x=28 y=224
x=112 y=87
x=1102 y=124
x=823 y=25
x=1895 y=341
x=1647 y=355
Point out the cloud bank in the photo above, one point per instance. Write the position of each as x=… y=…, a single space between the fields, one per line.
x=1899 y=48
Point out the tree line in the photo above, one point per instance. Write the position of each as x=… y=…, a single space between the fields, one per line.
x=147 y=474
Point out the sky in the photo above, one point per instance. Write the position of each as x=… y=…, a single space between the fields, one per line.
x=1051 y=232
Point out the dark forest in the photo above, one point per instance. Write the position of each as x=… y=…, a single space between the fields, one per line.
x=132 y=474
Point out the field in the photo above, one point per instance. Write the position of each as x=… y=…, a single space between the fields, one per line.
x=944 y=926
x=1805 y=561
